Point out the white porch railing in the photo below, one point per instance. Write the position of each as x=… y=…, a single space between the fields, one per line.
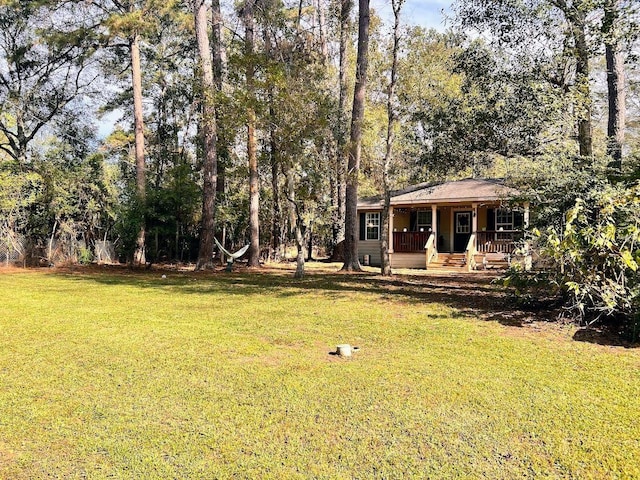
x=498 y=241
x=431 y=249
x=470 y=253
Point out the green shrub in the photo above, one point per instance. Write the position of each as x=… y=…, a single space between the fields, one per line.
x=592 y=262
x=85 y=256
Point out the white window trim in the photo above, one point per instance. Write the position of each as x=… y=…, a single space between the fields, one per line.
x=457 y=225
x=504 y=225
x=426 y=227
x=372 y=220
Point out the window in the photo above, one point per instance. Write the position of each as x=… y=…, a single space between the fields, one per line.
x=463 y=223
x=504 y=221
x=423 y=221
x=372 y=222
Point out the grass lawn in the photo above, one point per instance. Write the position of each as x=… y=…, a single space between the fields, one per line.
x=113 y=374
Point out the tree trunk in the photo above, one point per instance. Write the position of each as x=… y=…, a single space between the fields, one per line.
x=219 y=57
x=208 y=129
x=334 y=160
x=219 y=62
x=351 y=261
x=176 y=254
x=309 y=231
x=21 y=142
x=276 y=228
x=254 y=187
x=300 y=252
x=299 y=18
x=162 y=132
x=617 y=112
x=385 y=266
x=577 y=19
x=322 y=30
x=339 y=190
x=296 y=223
x=139 y=256
x=254 y=192
x=615 y=86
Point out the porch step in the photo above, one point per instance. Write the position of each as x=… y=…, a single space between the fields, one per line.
x=496 y=261
x=449 y=261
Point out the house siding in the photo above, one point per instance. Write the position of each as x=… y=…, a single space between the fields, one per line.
x=408 y=260
x=445 y=241
x=401 y=221
x=368 y=247
x=482 y=218
x=371 y=248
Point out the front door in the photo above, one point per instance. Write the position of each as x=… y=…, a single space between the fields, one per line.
x=462 y=230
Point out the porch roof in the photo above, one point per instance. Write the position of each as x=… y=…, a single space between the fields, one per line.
x=467 y=190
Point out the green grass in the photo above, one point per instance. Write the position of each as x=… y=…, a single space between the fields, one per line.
x=121 y=375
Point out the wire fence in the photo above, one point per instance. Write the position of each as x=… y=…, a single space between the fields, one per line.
x=105 y=252
x=12 y=250
x=16 y=251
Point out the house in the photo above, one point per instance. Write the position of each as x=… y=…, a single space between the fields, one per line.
x=466 y=223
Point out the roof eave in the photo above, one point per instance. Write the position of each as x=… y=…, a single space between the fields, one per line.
x=447 y=200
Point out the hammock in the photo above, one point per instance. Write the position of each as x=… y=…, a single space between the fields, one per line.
x=233 y=256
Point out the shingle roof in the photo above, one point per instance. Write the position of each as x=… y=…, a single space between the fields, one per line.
x=470 y=189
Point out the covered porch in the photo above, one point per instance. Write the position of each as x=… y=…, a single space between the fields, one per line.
x=470 y=220
x=474 y=229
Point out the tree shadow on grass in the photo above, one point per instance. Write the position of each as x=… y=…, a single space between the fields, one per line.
x=603 y=336
x=472 y=295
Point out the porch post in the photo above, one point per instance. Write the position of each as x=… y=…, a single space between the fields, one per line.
x=474 y=220
x=434 y=224
x=390 y=229
x=474 y=226
x=526 y=214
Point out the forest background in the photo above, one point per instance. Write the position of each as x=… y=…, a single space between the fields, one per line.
x=234 y=120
